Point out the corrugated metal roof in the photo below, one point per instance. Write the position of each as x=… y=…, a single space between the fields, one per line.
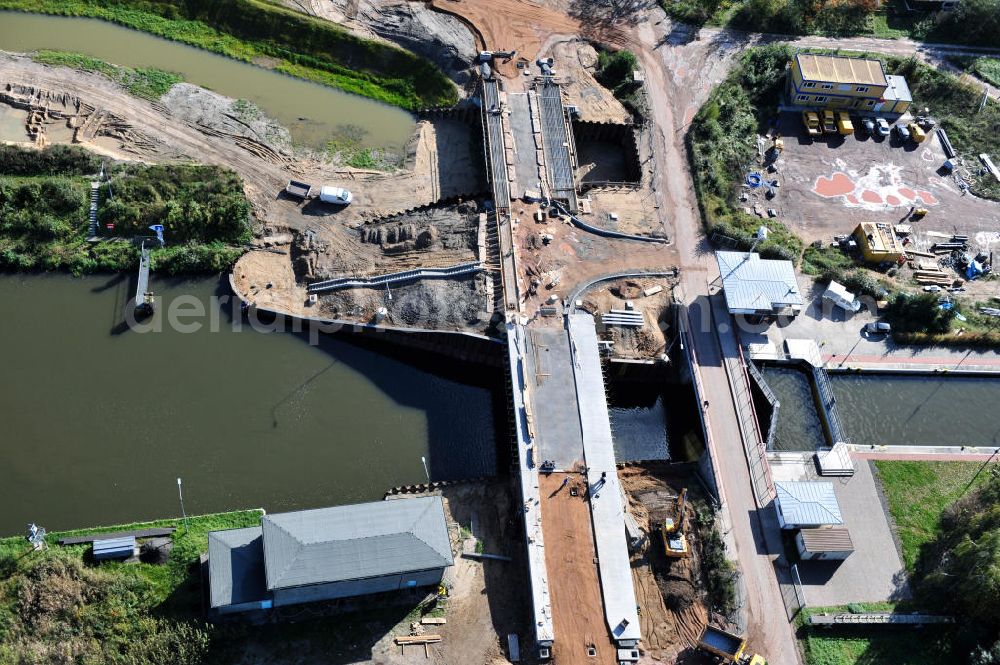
x=355 y=542
x=838 y=69
x=236 y=566
x=808 y=503
x=827 y=540
x=755 y=284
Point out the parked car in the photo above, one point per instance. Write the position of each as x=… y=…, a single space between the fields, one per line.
x=917 y=133
x=876 y=327
x=829 y=122
x=844 y=124
x=903 y=133
x=337 y=195
x=882 y=127
x=869 y=126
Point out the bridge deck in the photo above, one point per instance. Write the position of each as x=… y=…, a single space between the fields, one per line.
x=606 y=507
x=557 y=141
x=495 y=148
x=530 y=494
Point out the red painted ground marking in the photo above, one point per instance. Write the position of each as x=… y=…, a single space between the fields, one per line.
x=851 y=198
x=891 y=361
x=868 y=196
x=836 y=185
x=907 y=193
x=892 y=200
x=927 y=198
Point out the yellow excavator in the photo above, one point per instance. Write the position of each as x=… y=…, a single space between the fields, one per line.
x=675 y=544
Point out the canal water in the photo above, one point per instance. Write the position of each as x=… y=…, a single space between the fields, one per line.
x=798 y=426
x=929 y=410
x=99 y=420
x=654 y=422
x=314 y=114
x=888 y=409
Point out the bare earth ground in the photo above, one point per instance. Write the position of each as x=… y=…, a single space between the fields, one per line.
x=672 y=608
x=577 y=608
x=649 y=341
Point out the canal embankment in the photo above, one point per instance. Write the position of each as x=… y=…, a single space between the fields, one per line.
x=266 y=34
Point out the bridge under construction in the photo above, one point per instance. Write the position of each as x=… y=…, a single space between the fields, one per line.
x=583 y=600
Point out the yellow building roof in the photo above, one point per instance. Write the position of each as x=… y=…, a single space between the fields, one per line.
x=837 y=69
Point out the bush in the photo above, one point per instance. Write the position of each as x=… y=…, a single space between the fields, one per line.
x=192 y=202
x=51 y=160
x=722 y=144
x=908 y=313
x=972 y=22
x=719 y=571
x=44 y=219
x=614 y=72
x=961 y=572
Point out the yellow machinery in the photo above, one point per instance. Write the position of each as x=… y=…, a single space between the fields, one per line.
x=829 y=122
x=844 y=124
x=811 y=121
x=675 y=543
x=919 y=213
x=917 y=133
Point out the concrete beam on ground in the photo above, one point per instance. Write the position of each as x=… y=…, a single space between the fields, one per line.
x=606 y=508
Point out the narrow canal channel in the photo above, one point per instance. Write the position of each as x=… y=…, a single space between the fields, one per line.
x=314 y=114
x=99 y=420
x=889 y=409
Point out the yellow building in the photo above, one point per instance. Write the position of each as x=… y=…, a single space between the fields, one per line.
x=879 y=242
x=833 y=81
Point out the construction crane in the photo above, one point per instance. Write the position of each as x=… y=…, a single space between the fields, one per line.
x=675 y=544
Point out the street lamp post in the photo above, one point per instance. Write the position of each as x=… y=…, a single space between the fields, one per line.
x=180 y=495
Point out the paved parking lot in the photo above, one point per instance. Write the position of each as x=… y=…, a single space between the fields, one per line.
x=830 y=184
x=874 y=571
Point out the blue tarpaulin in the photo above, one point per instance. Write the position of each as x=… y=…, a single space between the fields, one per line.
x=974 y=270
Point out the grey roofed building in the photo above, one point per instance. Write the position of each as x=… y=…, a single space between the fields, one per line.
x=757 y=286
x=236 y=569
x=355 y=542
x=807 y=504
x=898 y=90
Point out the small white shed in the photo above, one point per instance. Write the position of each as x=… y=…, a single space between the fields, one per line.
x=807 y=504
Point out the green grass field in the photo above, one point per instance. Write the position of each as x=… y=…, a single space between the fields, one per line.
x=871 y=645
x=57 y=605
x=918 y=492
